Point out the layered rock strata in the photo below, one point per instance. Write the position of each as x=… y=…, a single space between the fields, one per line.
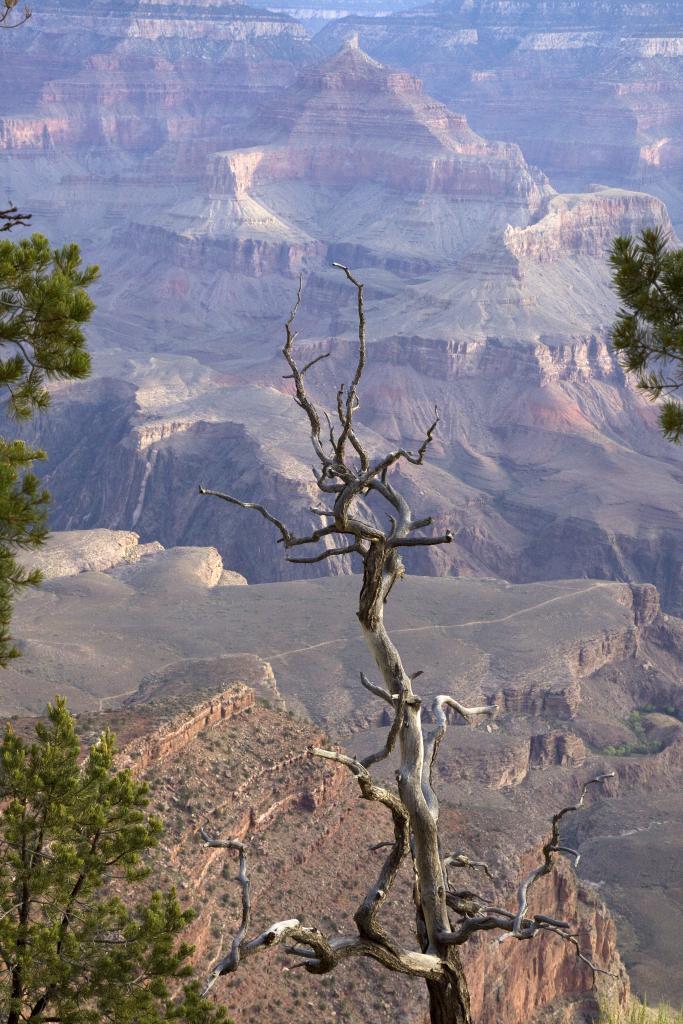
x=302 y=823
x=487 y=293
x=590 y=91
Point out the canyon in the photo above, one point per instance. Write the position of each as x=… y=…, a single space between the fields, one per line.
x=166 y=646
x=590 y=91
x=213 y=158
x=487 y=294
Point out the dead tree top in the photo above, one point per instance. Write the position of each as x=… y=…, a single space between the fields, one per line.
x=348 y=477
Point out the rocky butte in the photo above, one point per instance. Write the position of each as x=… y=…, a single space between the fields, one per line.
x=591 y=91
x=487 y=293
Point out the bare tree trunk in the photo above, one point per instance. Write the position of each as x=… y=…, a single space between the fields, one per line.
x=448 y=999
x=347 y=478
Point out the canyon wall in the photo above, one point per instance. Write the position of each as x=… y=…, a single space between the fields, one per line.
x=520 y=423
x=206 y=191
x=293 y=814
x=590 y=91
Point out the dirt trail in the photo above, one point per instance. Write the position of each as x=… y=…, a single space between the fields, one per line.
x=439 y=625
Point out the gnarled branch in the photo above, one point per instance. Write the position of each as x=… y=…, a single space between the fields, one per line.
x=6 y=20
x=551 y=847
x=261 y=509
x=11 y=217
x=345 y=471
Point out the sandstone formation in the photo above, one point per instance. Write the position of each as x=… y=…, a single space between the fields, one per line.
x=591 y=91
x=304 y=825
x=67 y=554
x=70 y=552
x=586 y=675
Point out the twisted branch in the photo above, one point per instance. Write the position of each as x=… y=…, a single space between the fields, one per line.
x=551 y=847
x=377 y=690
x=11 y=217
x=352 y=402
x=345 y=471
x=366 y=915
x=433 y=740
x=231 y=961
x=348 y=549
x=285 y=533
x=478 y=917
x=5 y=18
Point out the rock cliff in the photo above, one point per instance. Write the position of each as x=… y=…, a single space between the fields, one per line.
x=487 y=293
x=303 y=824
x=590 y=91
x=136 y=80
x=199 y=157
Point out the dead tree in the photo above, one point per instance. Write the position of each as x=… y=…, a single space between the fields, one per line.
x=350 y=480
x=8 y=17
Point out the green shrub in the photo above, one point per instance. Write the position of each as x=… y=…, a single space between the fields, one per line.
x=641 y=1013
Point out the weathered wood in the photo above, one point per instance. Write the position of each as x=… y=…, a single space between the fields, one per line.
x=347 y=472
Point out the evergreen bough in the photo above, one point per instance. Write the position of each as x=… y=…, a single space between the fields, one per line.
x=72 y=950
x=44 y=305
x=648 y=332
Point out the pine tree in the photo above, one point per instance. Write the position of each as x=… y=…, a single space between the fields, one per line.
x=72 y=950
x=44 y=305
x=648 y=332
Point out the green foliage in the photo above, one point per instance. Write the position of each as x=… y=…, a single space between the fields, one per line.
x=642 y=744
x=641 y=1013
x=663 y=709
x=72 y=948
x=648 y=332
x=44 y=305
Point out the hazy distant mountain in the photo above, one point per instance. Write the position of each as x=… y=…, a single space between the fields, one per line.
x=590 y=91
x=205 y=156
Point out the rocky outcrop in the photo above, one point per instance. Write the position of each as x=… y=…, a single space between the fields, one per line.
x=262 y=252
x=557 y=748
x=372 y=111
x=68 y=553
x=539 y=701
x=304 y=825
x=585 y=225
x=173 y=737
x=513 y=984
x=202 y=567
x=186 y=678
x=646 y=605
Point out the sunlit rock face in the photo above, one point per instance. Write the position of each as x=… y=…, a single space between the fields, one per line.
x=487 y=293
x=590 y=91
x=138 y=75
